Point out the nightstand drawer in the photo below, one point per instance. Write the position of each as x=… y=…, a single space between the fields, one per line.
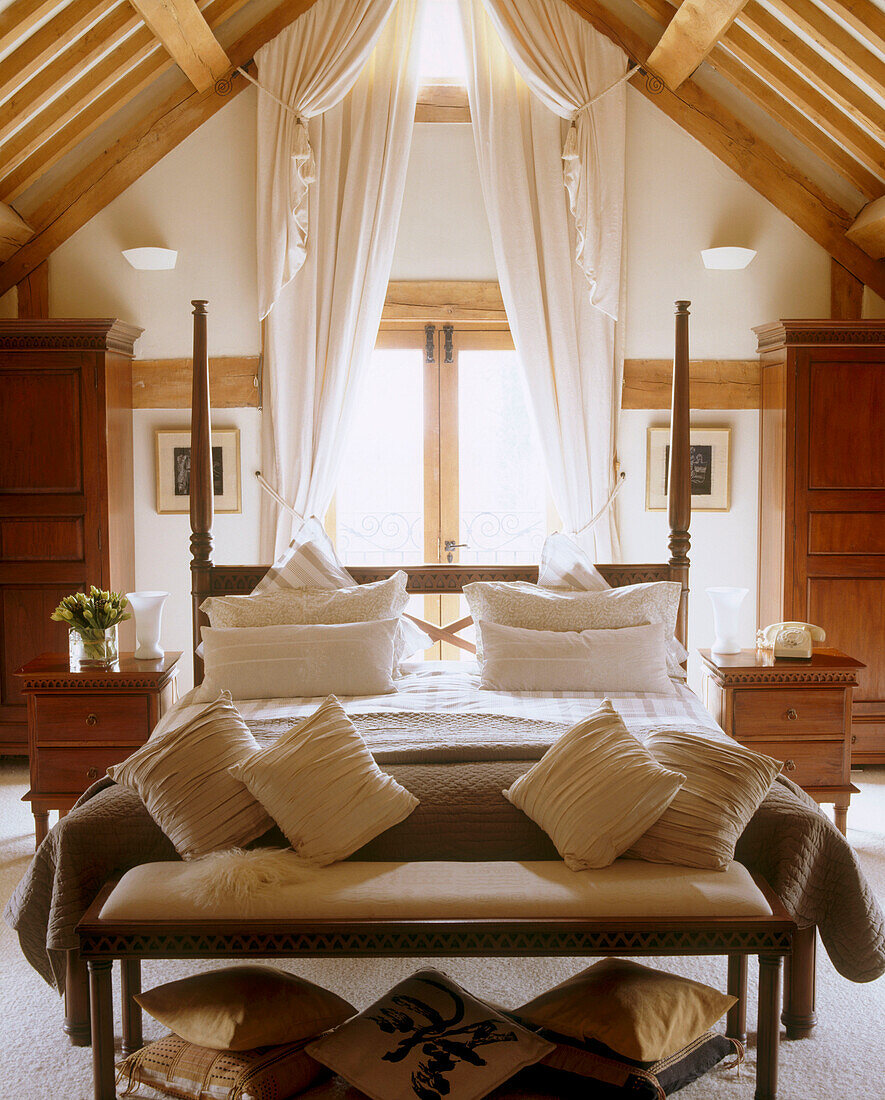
x=92 y=717
x=62 y=770
x=814 y=763
x=762 y=712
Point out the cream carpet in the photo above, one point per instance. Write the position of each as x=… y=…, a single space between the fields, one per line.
x=844 y=1061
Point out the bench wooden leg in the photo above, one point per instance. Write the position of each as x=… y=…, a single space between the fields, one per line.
x=736 y=1021
x=768 y=1029
x=102 y=1015
x=800 y=980
x=130 y=972
x=76 y=1026
x=41 y=826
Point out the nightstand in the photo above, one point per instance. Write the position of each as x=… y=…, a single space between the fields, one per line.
x=794 y=710
x=79 y=723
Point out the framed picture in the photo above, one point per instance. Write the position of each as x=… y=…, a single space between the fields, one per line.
x=710 y=472
x=174 y=470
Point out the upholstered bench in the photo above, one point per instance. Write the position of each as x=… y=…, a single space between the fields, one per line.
x=442 y=909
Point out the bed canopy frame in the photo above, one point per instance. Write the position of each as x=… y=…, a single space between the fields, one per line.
x=209 y=579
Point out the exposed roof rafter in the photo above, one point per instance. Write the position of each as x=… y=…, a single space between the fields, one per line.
x=184 y=32
x=19 y=19
x=690 y=35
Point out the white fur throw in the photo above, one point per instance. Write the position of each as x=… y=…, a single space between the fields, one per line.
x=243 y=877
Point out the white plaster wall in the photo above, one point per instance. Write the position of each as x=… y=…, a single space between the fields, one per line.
x=200 y=199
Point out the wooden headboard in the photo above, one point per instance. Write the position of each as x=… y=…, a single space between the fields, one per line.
x=208 y=579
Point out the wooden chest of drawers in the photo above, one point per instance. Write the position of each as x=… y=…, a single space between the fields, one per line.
x=794 y=710
x=79 y=723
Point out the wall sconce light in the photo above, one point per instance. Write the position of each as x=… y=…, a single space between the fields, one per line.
x=151 y=259
x=727 y=259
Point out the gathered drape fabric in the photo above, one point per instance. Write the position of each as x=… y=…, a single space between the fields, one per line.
x=322 y=328
x=574 y=70
x=311 y=66
x=571 y=357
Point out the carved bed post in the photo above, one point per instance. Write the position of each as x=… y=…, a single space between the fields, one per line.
x=679 y=474
x=201 y=502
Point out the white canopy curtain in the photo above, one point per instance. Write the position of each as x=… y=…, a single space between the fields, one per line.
x=569 y=352
x=325 y=313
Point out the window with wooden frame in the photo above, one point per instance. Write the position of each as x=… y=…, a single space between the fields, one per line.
x=442 y=462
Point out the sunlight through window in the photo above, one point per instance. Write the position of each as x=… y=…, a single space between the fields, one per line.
x=443 y=60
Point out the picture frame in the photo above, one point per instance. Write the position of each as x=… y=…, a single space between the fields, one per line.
x=173 y=448
x=710 y=464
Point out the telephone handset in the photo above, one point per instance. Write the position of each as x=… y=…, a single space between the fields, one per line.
x=793 y=639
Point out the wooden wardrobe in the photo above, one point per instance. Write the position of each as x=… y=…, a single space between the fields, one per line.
x=66 y=508
x=822 y=497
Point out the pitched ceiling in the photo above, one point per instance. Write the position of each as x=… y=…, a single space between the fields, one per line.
x=790 y=94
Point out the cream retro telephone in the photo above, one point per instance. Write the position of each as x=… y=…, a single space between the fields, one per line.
x=793 y=639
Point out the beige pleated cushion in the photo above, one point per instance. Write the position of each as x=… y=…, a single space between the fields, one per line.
x=322 y=787
x=183 y=779
x=724 y=785
x=596 y=791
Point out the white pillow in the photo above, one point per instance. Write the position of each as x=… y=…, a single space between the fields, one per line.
x=518 y=603
x=596 y=791
x=293 y=661
x=183 y=779
x=633 y=658
x=311 y=561
x=564 y=565
x=322 y=787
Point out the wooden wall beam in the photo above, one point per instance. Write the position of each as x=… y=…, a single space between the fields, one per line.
x=184 y=32
x=715 y=383
x=122 y=162
x=43 y=44
x=868 y=229
x=441 y=300
x=33 y=293
x=846 y=294
x=755 y=161
x=167 y=383
x=690 y=35
x=442 y=103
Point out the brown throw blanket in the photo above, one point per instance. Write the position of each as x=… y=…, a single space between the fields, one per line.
x=462 y=815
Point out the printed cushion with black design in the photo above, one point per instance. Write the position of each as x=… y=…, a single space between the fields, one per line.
x=428 y=1039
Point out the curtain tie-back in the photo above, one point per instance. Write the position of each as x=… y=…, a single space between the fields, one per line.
x=271 y=491
x=570 y=150
x=302 y=154
x=597 y=516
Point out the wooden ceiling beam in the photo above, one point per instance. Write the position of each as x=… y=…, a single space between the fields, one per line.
x=847 y=49
x=14 y=231
x=746 y=80
x=690 y=35
x=79 y=55
x=138 y=149
x=19 y=19
x=45 y=43
x=82 y=107
x=742 y=150
x=846 y=93
x=862 y=16
x=868 y=229
x=183 y=31
x=795 y=88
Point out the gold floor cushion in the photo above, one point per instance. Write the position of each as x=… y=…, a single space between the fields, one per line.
x=545 y=890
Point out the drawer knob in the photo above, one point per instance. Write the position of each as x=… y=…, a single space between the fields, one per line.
x=854 y=739
x=790 y=766
x=91 y=719
x=92 y=773
x=792 y=714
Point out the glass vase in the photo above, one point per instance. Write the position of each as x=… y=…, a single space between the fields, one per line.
x=726 y=615
x=148 y=610
x=92 y=648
